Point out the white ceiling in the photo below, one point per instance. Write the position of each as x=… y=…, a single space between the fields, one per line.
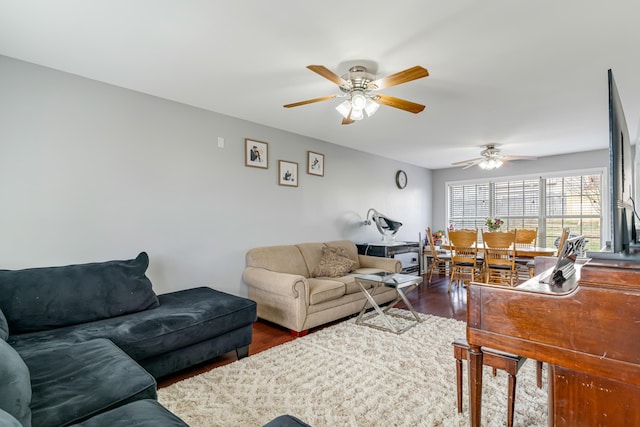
x=530 y=76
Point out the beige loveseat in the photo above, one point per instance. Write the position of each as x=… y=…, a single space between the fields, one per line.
x=285 y=283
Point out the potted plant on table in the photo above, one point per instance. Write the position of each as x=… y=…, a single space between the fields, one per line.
x=494 y=224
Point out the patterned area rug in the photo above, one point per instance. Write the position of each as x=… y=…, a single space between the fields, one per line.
x=351 y=375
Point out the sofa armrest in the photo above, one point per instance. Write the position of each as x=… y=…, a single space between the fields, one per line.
x=387 y=264
x=282 y=298
x=284 y=284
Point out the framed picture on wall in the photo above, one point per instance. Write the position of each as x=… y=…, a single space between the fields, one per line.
x=256 y=153
x=287 y=173
x=315 y=163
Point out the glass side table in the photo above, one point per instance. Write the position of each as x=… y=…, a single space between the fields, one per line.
x=403 y=284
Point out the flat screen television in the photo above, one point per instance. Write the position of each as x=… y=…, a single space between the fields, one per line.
x=620 y=179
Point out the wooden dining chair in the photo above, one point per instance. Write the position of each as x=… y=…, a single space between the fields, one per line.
x=464 y=255
x=526 y=238
x=500 y=257
x=439 y=261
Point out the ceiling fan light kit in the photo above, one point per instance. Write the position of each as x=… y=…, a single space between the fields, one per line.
x=358 y=104
x=358 y=85
x=489 y=164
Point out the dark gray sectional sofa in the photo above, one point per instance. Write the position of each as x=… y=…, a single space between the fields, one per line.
x=83 y=344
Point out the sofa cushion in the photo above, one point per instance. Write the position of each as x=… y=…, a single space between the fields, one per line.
x=350 y=285
x=141 y=413
x=43 y=298
x=8 y=420
x=183 y=318
x=71 y=383
x=15 y=385
x=311 y=252
x=4 y=327
x=332 y=263
x=321 y=290
x=283 y=259
x=350 y=248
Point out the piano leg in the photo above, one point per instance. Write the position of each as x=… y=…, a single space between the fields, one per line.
x=475 y=384
x=511 y=400
x=459 y=383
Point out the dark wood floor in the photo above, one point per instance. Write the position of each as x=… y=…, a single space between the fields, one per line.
x=429 y=298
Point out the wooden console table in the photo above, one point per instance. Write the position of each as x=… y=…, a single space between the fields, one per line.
x=586 y=330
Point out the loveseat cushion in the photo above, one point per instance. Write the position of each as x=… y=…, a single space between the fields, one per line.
x=4 y=327
x=321 y=290
x=141 y=413
x=71 y=383
x=350 y=285
x=15 y=385
x=311 y=253
x=283 y=259
x=183 y=318
x=43 y=298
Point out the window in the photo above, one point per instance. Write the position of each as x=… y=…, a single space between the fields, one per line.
x=574 y=202
x=517 y=203
x=548 y=203
x=469 y=205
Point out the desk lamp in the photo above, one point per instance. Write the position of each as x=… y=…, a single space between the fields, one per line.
x=386 y=226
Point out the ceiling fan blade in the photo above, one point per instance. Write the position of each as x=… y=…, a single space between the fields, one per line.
x=469 y=166
x=310 y=101
x=402 y=104
x=467 y=161
x=348 y=120
x=405 y=76
x=328 y=74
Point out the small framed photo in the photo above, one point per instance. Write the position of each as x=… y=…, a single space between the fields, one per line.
x=315 y=163
x=256 y=153
x=287 y=173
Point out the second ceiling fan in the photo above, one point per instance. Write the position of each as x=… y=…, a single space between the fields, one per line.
x=491 y=159
x=359 y=86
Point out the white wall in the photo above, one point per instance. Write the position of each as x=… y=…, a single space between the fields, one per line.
x=92 y=172
x=544 y=165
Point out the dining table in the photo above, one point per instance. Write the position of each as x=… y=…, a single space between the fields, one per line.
x=521 y=251
x=524 y=254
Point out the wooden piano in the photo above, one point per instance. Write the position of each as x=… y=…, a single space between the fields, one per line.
x=587 y=330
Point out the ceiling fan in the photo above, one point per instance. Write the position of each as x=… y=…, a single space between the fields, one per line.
x=491 y=159
x=358 y=86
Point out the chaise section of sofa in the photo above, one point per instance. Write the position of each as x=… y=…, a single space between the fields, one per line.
x=115 y=300
x=188 y=327
x=309 y=284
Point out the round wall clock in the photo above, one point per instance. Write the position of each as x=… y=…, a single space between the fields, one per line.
x=401 y=179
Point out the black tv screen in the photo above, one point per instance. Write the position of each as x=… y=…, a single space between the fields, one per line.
x=620 y=172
